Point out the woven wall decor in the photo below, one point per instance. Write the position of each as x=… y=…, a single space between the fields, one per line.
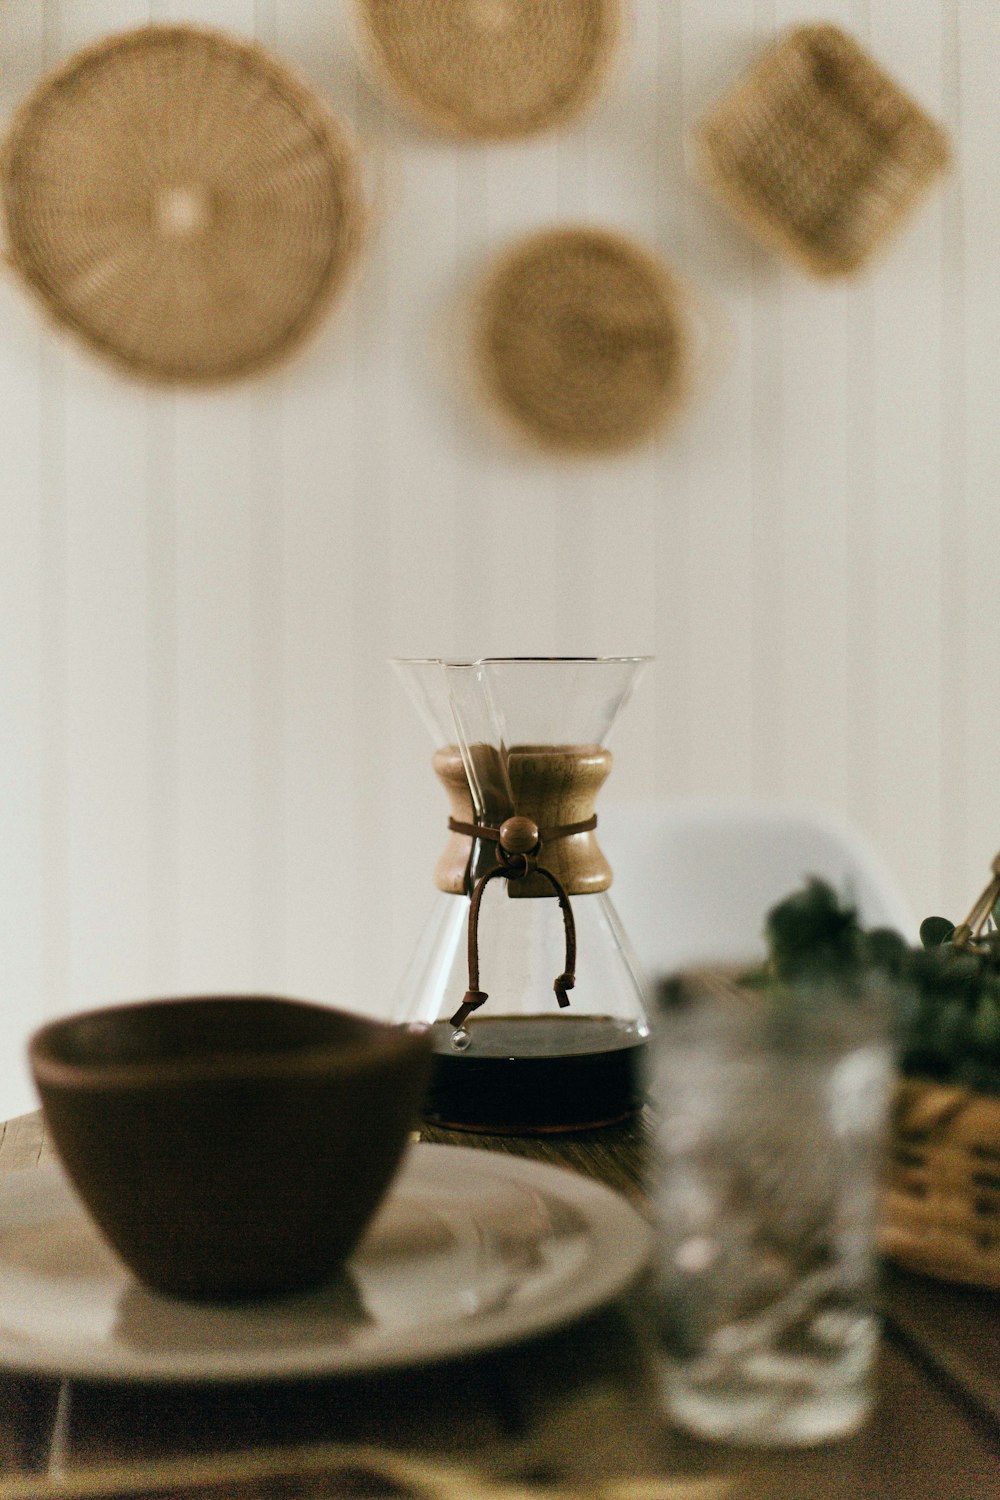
x=181 y=202
x=819 y=151
x=580 y=340
x=490 y=68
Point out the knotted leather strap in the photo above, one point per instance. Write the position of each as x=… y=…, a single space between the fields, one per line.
x=514 y=865
x=545 y=835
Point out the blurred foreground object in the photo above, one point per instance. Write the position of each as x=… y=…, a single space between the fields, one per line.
x=581 y=340
x=230 y=1147
x=491 y=69
x=819 y=151
x=327 y=1473
x=772 y=1110
x=181 y=202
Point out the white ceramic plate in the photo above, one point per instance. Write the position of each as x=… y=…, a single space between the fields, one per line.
x=471 y=1249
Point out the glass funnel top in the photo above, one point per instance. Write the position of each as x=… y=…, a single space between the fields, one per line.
x=535 y=700
x=495 y=705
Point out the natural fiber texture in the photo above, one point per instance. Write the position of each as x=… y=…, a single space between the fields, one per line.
x=580 y=340
x=181 y=202
x=819 y=152
x=941 y=1207
x=491 y=68
x=336 y=1473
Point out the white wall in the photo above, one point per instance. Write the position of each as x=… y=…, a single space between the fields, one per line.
x=208 y=777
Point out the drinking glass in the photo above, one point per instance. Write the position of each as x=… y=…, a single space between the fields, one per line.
x=772 y=1113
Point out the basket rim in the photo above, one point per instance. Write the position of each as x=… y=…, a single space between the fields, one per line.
x=418 y=109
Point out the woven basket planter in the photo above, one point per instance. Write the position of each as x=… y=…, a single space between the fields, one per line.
x=941 y=1206
x=490 y=69
x=819 y=152
x=580 y=341
x=181 y=202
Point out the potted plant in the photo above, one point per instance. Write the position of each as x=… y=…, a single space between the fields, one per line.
x=941 y=1207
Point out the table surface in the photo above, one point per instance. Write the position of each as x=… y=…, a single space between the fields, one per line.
x=574 y=1412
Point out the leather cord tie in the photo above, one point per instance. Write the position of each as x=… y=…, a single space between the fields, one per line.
x=519 y=843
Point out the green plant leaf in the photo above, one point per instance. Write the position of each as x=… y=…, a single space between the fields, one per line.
x=810 y=931
x=984 y=1033
x=935 y=930
x=945 y=998
x=885 y=948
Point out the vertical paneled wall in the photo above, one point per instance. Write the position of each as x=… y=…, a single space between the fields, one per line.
x=208 y=777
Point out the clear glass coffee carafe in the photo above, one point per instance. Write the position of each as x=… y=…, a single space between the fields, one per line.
x=524 y=972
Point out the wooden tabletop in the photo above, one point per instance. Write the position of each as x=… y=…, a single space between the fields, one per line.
x=571 y=1413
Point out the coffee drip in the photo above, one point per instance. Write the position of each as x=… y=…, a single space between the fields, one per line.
x=538 y=1023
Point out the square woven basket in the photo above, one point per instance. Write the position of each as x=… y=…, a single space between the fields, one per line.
x=819 y=152
x=941 y=1204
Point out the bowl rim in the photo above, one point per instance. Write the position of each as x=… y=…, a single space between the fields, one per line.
x=379 y=1042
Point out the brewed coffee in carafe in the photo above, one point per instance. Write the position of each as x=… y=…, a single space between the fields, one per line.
x=524 y=972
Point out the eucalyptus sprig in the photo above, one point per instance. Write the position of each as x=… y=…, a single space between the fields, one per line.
x=947 y=990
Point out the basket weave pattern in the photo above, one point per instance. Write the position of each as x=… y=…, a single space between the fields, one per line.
x=491 y=68
x=941 y=1206
x=580 y=340
x=181 y=202
x=819 y=151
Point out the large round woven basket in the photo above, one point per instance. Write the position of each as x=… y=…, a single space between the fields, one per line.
x=490 y=68
x=181 y=202
x=580 y=340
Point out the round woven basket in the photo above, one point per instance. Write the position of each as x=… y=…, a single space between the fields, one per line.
x=181 y=202
x=580 y=340
x=491 y=69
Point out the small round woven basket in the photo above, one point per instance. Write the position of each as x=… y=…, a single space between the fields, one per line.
x=580 y=340
x=490 y=69
x=181 y=202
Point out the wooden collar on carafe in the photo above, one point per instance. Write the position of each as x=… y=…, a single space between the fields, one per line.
x=554 y=785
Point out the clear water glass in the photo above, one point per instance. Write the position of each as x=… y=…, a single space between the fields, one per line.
x=771 y=1126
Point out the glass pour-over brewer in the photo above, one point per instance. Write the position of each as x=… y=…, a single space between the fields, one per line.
x=524 y=972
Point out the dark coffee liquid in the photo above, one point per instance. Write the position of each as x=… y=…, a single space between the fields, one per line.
x=533 y=1074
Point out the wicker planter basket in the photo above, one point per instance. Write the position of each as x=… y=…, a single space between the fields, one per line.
x=941 y=1206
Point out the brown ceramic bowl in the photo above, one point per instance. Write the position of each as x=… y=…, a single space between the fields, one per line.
x=230 y=1147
